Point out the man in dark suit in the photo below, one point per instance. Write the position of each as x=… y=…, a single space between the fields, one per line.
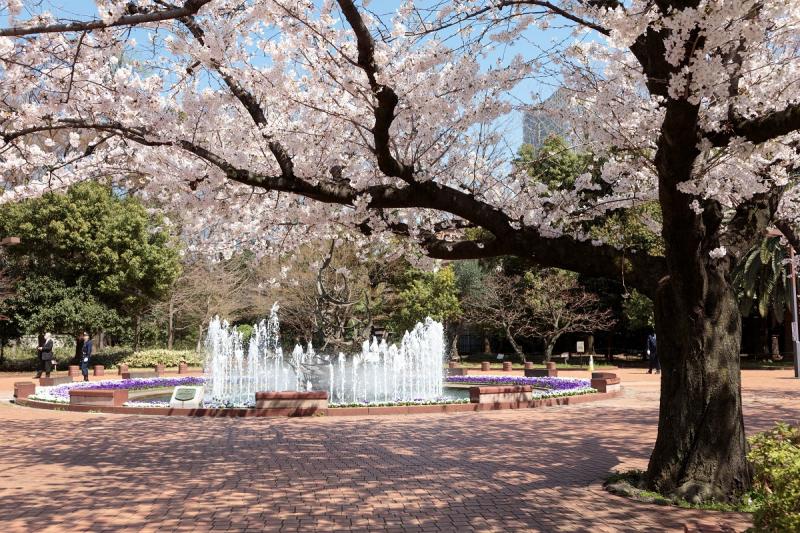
x=45 y=353
x=652 y=352
x=86 y=354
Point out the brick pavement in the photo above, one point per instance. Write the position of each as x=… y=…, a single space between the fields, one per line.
x=521 y=470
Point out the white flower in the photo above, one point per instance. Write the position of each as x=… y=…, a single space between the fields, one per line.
x=718 y=253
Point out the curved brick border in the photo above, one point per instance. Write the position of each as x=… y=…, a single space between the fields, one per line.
x=337 y=411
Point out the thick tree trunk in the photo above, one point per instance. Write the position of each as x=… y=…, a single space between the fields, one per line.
x=199 y=346
x=549 y=346
x=517 y=350
x=701 y=446
x=137 y=333
x=171 y=325
x=454 y=348
x=700 y=452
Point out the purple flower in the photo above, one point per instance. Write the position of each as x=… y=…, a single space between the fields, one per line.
x=549 y=383
x=61 y=392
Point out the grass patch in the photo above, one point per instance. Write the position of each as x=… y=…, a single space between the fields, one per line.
x=632 y=482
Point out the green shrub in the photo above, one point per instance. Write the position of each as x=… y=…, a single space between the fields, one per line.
x=246 y=331
x=170 y=358
x=111 y=356
x=17 y=359
x=775 y=456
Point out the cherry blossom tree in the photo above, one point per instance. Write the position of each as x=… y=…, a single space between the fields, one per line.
x=267 y=119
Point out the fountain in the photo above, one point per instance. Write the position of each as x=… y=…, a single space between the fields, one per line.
x=412 y=370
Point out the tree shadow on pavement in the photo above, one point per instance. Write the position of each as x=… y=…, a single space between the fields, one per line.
x=532 y=469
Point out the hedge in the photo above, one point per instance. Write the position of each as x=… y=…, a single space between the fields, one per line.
x=24 y=360
x=775 y=456
x=170 y=358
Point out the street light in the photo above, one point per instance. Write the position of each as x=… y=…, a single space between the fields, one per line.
x=795 y=339
x=793 y=279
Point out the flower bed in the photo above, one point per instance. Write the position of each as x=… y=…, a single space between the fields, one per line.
x=551 y=387
x=436 y=401
x=60 y=393
x=548 y=387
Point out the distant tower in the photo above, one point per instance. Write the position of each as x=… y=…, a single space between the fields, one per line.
x=539 y=124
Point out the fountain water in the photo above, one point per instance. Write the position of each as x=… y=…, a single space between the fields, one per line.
x=380 y=373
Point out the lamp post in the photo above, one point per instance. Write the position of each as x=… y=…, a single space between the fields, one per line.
x=793 y=279
x=795 y=339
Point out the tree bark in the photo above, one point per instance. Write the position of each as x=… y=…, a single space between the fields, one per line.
x=549 y=345
x=171 y=324
x=517 y=350
x=137 y=333
x=454 y=347
x=701 y=447
x=199 y=346
x=700 y=451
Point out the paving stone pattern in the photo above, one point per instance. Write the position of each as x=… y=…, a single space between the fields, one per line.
x=519 y=470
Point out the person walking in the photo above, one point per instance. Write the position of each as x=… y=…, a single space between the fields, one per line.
x=45 y=352
x=86 y=354
x=652 y=354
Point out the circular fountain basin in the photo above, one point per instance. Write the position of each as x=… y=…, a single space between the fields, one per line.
x=163 y=394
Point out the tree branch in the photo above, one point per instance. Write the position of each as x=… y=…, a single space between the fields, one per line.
x=190 y=7
x=760 y=129
x=385 y=95
x=790 y=233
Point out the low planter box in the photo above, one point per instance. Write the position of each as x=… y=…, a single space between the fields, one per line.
x=139 y=375
x=74 y=370
x=541 y=373
x=605 y=382
x=486 y=366
x=100 y=397
x=501 y=394
x=53 y=381
x=549 y=371
x=23 y=389
x=305 y=401
x=507 y=366
x=159 y=368
x=122 y=369
x=183 y=368
x=99 y=370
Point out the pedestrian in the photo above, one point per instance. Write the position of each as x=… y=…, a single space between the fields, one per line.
x=652 y=354
x=45 y=353
x=86 y=354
